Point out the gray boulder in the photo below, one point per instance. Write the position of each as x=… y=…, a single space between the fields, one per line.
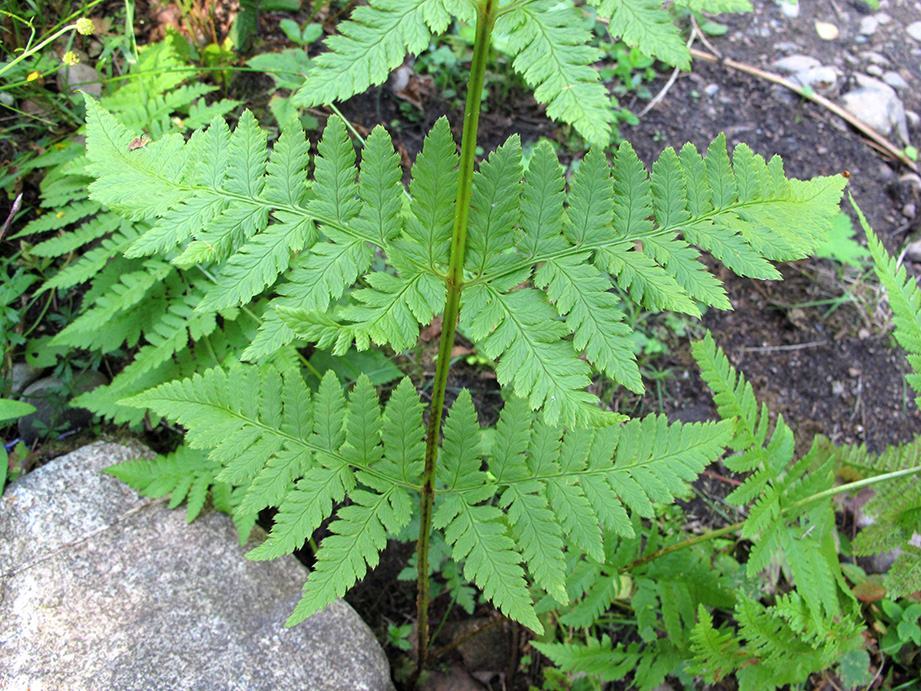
x=103 y=589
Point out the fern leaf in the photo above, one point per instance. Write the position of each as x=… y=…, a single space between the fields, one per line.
x=404 y=447
x=520 y=330
x=592 y=313
x=645 y=23
x=259 y=262
x=476 y=533
x=433 y=190
x=369 y=45
x=359 y=535
x=303 y=510
x=542 y=204
x=380 y=189
x=904 y=298
x=185 y=474
x=551 y=54
x=494 y=207
x=596 y=657
x=591 y=200
x=286 y=182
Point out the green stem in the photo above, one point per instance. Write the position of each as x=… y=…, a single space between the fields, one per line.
x=486 y=16
x=713 y=534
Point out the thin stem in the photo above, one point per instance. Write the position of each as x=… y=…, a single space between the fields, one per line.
x=713 y=534
x=486 y=15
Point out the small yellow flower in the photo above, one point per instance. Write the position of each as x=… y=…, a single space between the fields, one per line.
x=85 y=26
x=70 y=58
x=33 y=76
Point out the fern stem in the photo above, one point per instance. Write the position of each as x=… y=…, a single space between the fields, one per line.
x=486 y=16
x=713 y=534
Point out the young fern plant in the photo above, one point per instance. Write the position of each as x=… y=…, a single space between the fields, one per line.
x=520 y=260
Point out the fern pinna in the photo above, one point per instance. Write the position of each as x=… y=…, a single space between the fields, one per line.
x=143 y=303
x=524 y=262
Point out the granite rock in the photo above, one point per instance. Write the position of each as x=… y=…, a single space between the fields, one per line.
x=103 y=589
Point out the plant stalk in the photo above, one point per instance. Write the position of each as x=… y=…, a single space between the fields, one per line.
x=486 y=17
x=726 y=530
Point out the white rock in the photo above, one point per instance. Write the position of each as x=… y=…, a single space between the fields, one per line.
x=895 y=80
x=827 y=31
x=789 y=9
x=913 y=251
x=796 y=63
x=817 y=77
x=868 y=25
x=914 y=30
x=99 y=589
x=874 y=58
x=875 y=70
x=80 y=77
x=879 y=108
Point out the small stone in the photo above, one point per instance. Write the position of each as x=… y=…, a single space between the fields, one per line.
x=711 y=89
x=913 y=251
x=914 y=30
x=51 y=411
x=895 y=80
x=22 y=375
x=913 y=118
x=863 y=334
x=789 y=8
x=786 y=47
x=868 y=25
x=817 y=77
x=796 y=63
x=827 y=31
x=877 y=106
x=7 y=98
x=875 y=70
x=854 y=372
x=80 y=77
x=910 y=210
x=875 y=58
x=837 y=388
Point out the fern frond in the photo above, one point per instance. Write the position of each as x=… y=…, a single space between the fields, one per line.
x=645 y=23
x=185 y=474
x=595 y=657
x=374 y=41
x=904 y=298
x=476 y=532
x=550 y=51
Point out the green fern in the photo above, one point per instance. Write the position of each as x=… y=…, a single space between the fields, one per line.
x=546 y=40
x=280 y=446
x=575 y=252
x=131 y=302
x=778 y=522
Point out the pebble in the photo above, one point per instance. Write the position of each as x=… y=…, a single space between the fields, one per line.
x=817 y=77
x=913 y=251
x=868 y=25
x=786 y=47
x=796 y=63
x=875 y=58
x=914 y=30
x=7 y=98
x=711 y=89
x=895 y=80
x=875 y=70
x=876 y=104
x=913 y=118
x=789 y=9
x=827 y=31
x=909 y=210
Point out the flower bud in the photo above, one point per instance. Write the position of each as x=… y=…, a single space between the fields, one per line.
x=70 y=58
x=85 y=26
